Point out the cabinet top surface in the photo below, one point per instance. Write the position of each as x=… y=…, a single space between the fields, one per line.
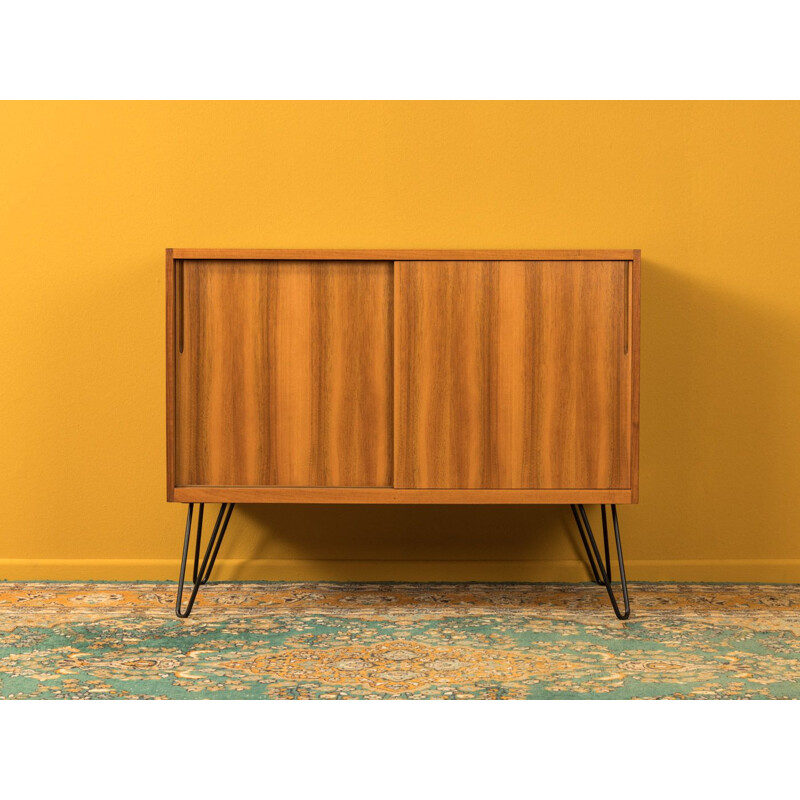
x=405 y=255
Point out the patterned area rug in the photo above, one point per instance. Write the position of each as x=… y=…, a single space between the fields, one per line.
x=416 y=641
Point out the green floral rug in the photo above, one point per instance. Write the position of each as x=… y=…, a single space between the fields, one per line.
x=414 y=641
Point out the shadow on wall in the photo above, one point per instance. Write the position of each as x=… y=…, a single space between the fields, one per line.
x=719 y=469
x=377 y=542
x=720 y=430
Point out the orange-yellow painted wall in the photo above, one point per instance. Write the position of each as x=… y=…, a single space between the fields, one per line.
x=92 y=193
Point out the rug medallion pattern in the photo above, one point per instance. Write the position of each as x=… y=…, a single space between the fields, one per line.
x=412 y=641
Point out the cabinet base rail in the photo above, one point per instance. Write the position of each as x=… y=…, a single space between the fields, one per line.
x=201 y=571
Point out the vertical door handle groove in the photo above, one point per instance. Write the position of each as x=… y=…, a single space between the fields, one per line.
x=179 y=299
x=627 y=302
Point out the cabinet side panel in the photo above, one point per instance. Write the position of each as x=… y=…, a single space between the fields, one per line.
x=169 y=284
x=286 y=374
x=636 y=317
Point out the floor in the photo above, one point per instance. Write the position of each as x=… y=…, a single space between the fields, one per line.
x=416 y=641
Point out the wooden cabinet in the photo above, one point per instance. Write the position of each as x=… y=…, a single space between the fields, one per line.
x=347 y=376
x=402 y=376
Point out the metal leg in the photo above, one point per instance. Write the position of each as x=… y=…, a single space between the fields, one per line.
x=201 y=572
x=595 y=560
x=605 y=542
x=586 y=545
x=204 y=579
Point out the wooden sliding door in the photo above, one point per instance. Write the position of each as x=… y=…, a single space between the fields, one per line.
x=283 y=373
x=512 y=374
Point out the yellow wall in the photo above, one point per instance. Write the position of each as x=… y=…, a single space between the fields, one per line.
x=92 y=193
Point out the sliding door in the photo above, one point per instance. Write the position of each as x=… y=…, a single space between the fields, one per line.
x=284 y=373
x=512 y=374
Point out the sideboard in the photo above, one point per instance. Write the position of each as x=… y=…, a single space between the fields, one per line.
x=403 y=376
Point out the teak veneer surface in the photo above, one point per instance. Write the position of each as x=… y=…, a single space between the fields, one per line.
x=286 y=374
x=511 y=375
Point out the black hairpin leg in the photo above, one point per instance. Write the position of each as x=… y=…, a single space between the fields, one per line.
x=601 y=572
x=201 y=572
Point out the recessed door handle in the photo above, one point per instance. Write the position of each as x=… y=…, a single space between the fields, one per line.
x=179 y=302
x=627 y=302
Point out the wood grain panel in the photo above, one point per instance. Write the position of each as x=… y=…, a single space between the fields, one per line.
x=286 y=374
x=511 y=375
